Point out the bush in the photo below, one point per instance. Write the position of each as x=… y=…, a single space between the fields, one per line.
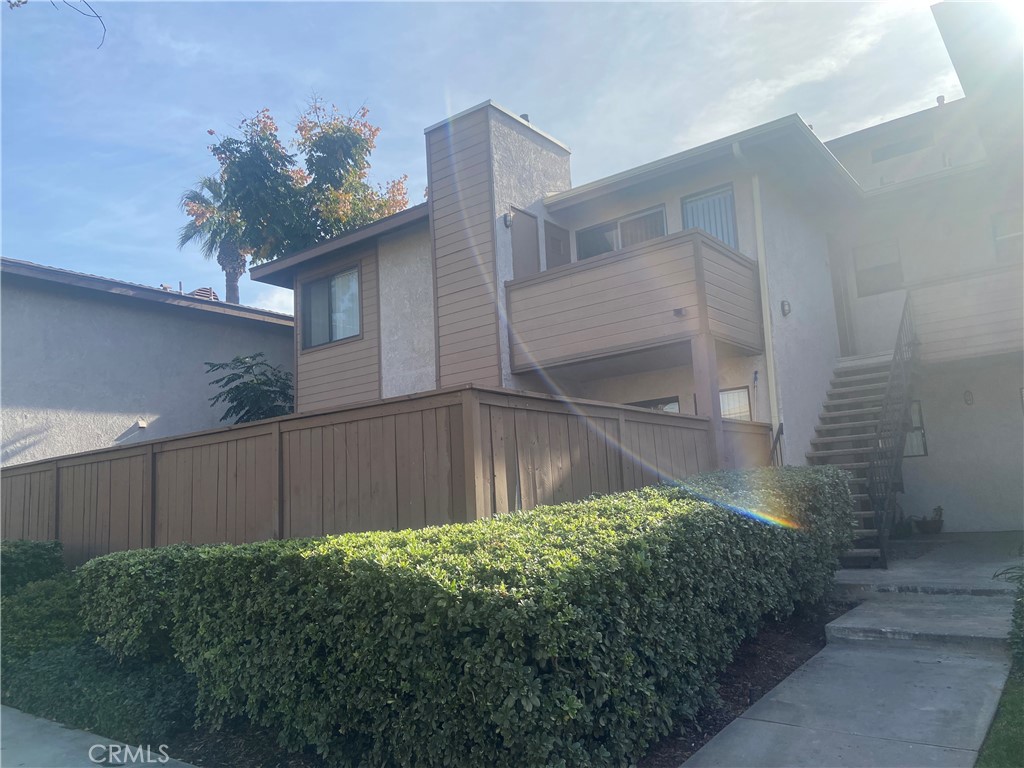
x=45 y=614
x=83 y=686
x=22 y=562
x=1015 y=574
x=126 y=599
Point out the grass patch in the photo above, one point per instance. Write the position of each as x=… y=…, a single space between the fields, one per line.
x=1004 y=745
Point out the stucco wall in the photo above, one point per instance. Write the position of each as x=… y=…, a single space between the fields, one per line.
x=526 y=166
x=941 y=230
x=976 y=451
x=79 y=368
x=407 y=336
x=805 y=342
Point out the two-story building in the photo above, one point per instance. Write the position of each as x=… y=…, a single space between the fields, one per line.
x=760 y=277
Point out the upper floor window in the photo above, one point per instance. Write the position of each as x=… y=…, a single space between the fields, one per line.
x=878 y=268
x=1008 y=233
x=714 y=212
x=331 y=309
x=621 y=233
x=735 y=403
x=902 y=147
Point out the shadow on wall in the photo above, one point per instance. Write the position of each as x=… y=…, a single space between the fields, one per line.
x=21 y=442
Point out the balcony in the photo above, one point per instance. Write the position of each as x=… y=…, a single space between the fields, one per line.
x=661 y=292
x=969 y=316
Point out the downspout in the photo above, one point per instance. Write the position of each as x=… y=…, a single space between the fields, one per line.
x=762 y=276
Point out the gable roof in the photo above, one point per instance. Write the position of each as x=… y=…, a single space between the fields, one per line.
x=282 y=271
x=82 y=280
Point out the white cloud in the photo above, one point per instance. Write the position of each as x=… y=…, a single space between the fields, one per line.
x=273 y=298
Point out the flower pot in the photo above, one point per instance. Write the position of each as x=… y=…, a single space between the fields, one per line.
x=928 y=525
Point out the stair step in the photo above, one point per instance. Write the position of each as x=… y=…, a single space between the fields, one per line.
x=858 y=438
x=980 y=624
x=850 y=414
x=861 y=377
x=864 y=533
x=852 y=403
x=878 y=360
x=836 y=453
x=868 y=390
x=862 y=513
x=862 y=427
x=856 y=466
x=861 y=557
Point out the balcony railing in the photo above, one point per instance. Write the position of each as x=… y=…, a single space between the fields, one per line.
x=662 y=291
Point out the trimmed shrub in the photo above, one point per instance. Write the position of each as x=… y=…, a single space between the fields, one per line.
x=83 y=686
x=22 y=562
x=569 y=635
x=127 y=597
x=43 y=615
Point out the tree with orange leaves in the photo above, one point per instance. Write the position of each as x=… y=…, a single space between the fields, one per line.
x=282 y=201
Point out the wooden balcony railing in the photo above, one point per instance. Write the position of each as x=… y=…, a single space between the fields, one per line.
x=665 y=290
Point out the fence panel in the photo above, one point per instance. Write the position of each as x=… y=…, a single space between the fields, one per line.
x=429 y=459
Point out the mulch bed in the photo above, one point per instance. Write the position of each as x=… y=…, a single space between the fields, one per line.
x=760 y=664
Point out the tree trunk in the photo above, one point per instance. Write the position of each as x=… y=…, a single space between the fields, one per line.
x=232 y=261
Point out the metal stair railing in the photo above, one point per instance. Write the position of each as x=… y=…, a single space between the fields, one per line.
x=885 y=469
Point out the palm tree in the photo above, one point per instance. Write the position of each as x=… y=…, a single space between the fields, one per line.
x=217 y=229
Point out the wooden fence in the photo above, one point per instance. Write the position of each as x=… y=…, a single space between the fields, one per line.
x=446 y=456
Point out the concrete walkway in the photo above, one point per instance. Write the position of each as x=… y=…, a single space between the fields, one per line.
x=31 y=742
x=911 y=677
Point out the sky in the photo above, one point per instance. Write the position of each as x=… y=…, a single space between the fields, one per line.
x=97 y=144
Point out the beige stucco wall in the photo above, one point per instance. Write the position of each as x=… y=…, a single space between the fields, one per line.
x=79 y=368
x=975 y=451
x=408 y=337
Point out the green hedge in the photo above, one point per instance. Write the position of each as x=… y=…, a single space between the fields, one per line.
x=83 y=686
x=22 y=562
x=569 y=635
x=45 y=614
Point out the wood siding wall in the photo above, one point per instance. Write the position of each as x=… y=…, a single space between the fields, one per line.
x=747 y=443
x=460 y=179
x=733 y=295
x=447 y=456
x=344 y=372
x=975 y=316
x=631 y=299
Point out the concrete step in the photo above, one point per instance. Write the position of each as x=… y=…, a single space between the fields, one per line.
x=858 y=389
x=839 y=456
x=855 y=467
x=860 y=377
x=861 y=557
x=864 y=362
x=979 y=624
x=870 y=437
x=851 y=427
x=860 y=414
x=854 y=403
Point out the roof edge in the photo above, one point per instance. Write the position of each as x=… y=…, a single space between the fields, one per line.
x=505 y=111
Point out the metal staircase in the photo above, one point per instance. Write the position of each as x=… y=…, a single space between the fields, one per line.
x=862 y=428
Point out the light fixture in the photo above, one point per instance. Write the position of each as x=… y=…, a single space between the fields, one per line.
x=507 y=218
x=786 y=308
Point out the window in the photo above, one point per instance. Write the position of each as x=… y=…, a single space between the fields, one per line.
x=622 y=233
x=714 y=212
x=1008 y=234
x=330 y=309
x=663 y=404
x=878 y=268
x=903 y=147
x=735 y=403
x=916 y=444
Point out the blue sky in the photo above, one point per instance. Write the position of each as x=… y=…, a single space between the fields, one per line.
x=97 y=145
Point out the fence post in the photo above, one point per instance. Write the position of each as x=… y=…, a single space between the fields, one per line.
x=473 y=457
x=56 y=501
x=620 y=446
x=149 y=495
x=276 y=481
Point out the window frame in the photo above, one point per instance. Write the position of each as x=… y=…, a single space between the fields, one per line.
x=863 y=293
x=618 y=222
x=750 y=409
x=327 y=276
x=711 y=192
x=997 y=238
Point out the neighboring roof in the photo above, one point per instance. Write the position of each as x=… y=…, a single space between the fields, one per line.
x=281 y=271
x=66 y=277
x=791 y=126
x=951 y=110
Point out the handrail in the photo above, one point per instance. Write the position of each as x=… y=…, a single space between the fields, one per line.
x=775 y=455
x=885 y=469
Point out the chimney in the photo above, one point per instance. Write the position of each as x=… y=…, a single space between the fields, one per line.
x=940 y=100
x=525 y=117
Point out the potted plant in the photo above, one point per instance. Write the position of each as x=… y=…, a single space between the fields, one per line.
x=931 y=524
x=902 y=527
